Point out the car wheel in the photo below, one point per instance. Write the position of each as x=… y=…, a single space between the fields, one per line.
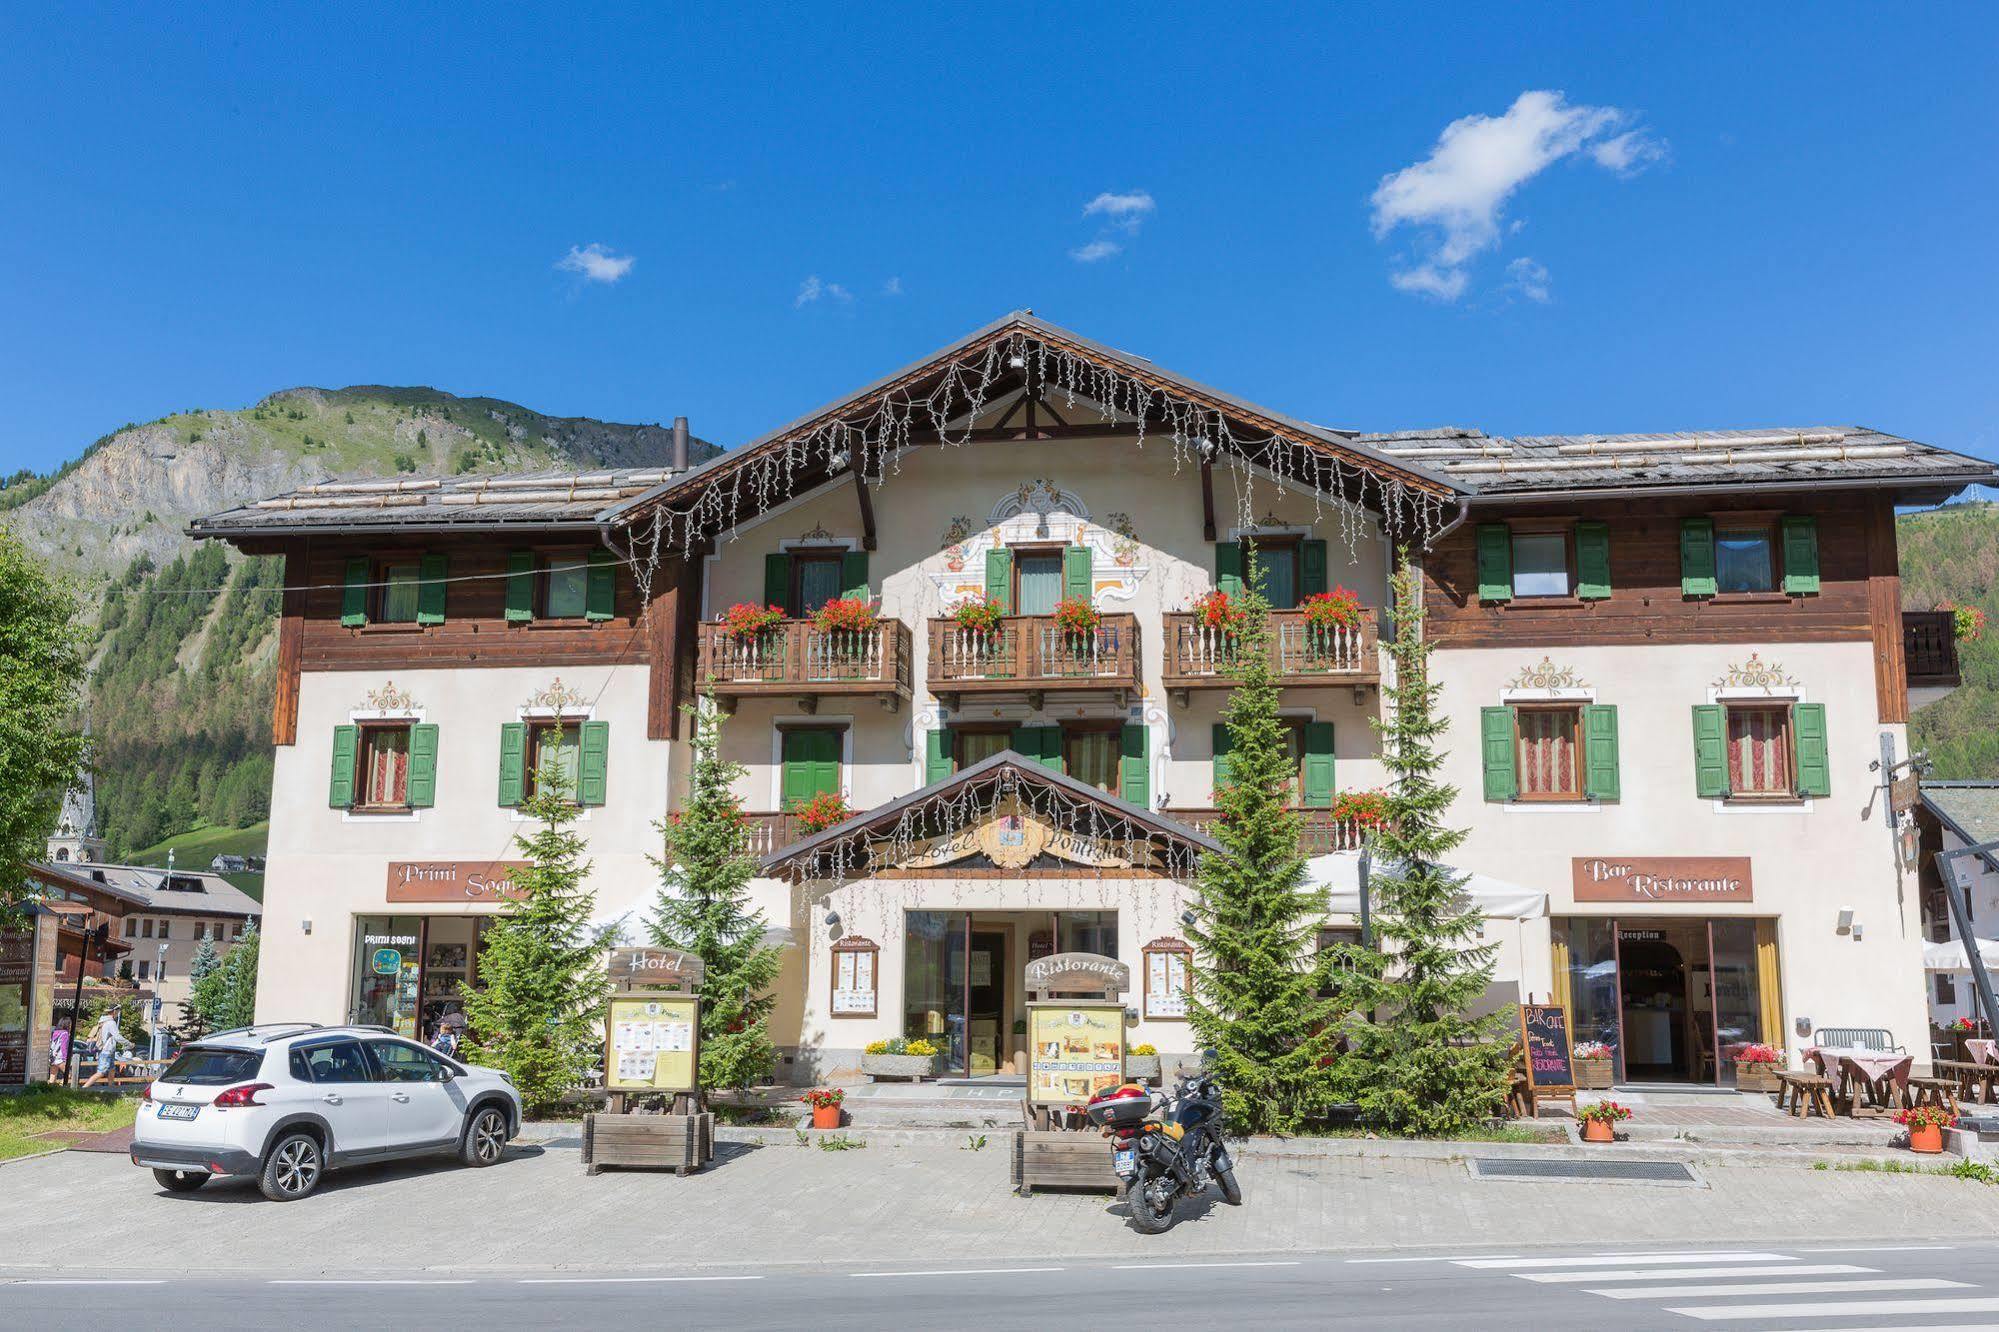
x=485 y=1137
x=180 y=1181
x=293 y=1168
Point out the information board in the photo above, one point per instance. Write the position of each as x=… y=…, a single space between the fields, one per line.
x=1073 y=1050
x=652 y=1043
x=1544 y=1034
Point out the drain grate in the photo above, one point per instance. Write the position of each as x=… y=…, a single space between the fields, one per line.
x=1629 y=1172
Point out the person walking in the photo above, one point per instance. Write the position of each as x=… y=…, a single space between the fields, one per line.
x=109 y=1040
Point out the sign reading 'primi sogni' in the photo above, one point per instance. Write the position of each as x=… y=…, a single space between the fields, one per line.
x=1690 y=879
x=453 y=880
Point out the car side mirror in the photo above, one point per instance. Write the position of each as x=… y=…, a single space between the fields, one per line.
x=450 y=1073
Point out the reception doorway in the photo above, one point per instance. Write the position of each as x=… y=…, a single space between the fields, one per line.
x=961 y=980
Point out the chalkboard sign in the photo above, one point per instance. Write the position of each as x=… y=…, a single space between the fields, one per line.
x=1544 y=1034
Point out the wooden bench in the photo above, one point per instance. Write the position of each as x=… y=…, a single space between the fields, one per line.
x=1940 y=1092
x=1805 y=1094
x=680 y=1143
x=1059 y=1159
x=1972 y=1081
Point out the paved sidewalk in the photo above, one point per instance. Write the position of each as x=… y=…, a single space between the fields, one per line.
x=913 y=1204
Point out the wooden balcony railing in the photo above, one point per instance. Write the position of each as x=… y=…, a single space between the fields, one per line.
x=1929 y=646
x=1319 y=833
x=1198 y=657
x=770 y=832
x=795 y=658
x=1032 y=652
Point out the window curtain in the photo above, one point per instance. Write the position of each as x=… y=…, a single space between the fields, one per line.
x=1093 y=759
x=1040 y=584
x=1769 y=991
x=1758 y=757
x=388 y=767
x=981 y=745
x=1564 y=994
x=1547 y=752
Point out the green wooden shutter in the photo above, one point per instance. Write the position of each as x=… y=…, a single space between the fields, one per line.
x=1697 y=557
x=423 y=766
x=1043 y=744
x=1710 y=750
x=1134 y=774
x=854 y=574
x=513 y=763
x=1495 y=734
x=1311 y=568
x=795 y=783
x=593 y=762
x=520 y=586
x=1224 y=744
x=354 y=596
x=346 y=750
x=1078 y=573
x=938 y=759
x=1801 y=553
x=1600 y=774
x=430 y=590
x=600 y=595
x=777 y=581
x=1228 y=567
x=1814 y=764
x=1495 y=562
x=1318 y=791
x=1592 y=561
x=999 y=577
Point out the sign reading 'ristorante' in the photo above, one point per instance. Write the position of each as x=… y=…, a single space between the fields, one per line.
x=1662 y=879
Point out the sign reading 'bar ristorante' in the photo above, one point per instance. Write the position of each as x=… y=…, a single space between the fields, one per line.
x=453 y=880
x=1662 y=879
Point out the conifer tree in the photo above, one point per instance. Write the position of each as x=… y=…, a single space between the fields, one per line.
x=1418 y=1061
x=703 y=908
x=537 y=1014
x=1261 y=993
x=205 y=963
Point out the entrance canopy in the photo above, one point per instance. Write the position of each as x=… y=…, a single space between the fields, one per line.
x=1950 y=955
x=1497 y=899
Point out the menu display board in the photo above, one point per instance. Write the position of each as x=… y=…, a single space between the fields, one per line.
x=652 y=1043
x=1169 y=971
x=1544 y=1035
x=1074 y=1050
x=854 y=982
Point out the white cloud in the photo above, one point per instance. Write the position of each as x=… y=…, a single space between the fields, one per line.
x=1528 y=278
x=596 y=263
x=892 y=287
x=813 y=289
x=1455 y=197
x=1100 y=248
x=1124 y=210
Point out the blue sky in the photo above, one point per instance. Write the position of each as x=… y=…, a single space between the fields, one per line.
x=1701 y=218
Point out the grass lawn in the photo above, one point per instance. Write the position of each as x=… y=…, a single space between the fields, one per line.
x=193 y=850
x=42 y=1108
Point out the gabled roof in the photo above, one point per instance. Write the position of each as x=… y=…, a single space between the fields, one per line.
x=198 y=892
x=1004 y=768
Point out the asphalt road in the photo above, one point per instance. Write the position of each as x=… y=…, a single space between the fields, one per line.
x=1850 y=1286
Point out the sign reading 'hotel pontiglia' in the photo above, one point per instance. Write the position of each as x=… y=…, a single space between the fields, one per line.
x=453 y=880
x=1689 y=879
x=1012 y=839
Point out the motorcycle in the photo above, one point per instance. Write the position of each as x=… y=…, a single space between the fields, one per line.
x=1165 y=1147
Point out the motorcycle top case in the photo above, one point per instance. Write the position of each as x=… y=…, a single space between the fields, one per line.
x=1119 y=1107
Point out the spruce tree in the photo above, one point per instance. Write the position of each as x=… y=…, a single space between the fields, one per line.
x=703 y=908
x=1260 y=986
x=537 y=1014
x=1418 y=1061
x=194 y=1022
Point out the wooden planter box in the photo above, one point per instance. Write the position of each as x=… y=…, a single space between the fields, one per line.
x=1142 y=1068
x=1595 y=1074
x=680 y=1143
x=916 y=1067
x=1044 y=1158
x=1759 y=1077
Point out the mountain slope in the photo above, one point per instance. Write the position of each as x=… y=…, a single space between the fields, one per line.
x=180 y=698
x=1952 y=554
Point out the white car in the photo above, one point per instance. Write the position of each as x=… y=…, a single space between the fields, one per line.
x=286 y=1103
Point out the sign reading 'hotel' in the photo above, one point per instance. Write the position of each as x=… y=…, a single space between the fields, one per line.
x=1691 y=879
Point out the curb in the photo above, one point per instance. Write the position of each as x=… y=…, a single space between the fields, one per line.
x=33 y=1156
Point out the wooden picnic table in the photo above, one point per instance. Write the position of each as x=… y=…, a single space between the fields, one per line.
x=1975 y=1081
x=1882 y=1077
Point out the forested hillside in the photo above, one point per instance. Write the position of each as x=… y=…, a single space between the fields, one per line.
x=1952 y=554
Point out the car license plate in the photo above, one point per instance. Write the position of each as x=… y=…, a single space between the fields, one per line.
x=179 y=1111
x=1125 y=1161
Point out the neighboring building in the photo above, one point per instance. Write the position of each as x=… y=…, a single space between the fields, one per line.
x=1954 y=815
x=1668 y=661
x=166 y=918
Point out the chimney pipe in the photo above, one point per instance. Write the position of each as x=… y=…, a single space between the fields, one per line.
x=679 y=443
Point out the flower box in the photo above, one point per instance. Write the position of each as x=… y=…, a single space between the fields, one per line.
x=915 y=1067
x=1595 y=1074
x=1759 y=1076
x=1142 y=1068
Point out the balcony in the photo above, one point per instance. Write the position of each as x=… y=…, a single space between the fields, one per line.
x=1198 y=657
x=798 y=660
x=771 y=832
x=1032 y=654
x=1319 y=833
x=1929 y=650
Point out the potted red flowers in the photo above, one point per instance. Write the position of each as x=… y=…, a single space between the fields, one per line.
x=1337 y=609
x=979 y=614
x=1598 y=1117
x=853 y=615
x=825 y=1103
x=1967 y=622
x=1756 y=1068
x=1594 y=1065
x=1364 y=809
x=747 y=621
x=1926 y=1124
x=822 y=812
x=1219 y=612
x=1077 y=615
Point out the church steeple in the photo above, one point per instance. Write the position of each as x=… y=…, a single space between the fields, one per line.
x=75 y=838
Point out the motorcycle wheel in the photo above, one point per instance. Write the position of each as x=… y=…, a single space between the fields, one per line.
x=1231 y=1191
x=1147 y=1219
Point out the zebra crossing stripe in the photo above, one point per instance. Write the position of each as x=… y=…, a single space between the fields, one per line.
x=1626 y=1260
x=1711 y=1313
x=1781 y=1288
x=1694 y=1273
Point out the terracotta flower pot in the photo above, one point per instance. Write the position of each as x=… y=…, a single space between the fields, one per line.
x=1598 y=1130
x=825 y=1116
x=1927 y=1138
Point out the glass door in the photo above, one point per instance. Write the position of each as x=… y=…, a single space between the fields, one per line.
x=935 y=980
